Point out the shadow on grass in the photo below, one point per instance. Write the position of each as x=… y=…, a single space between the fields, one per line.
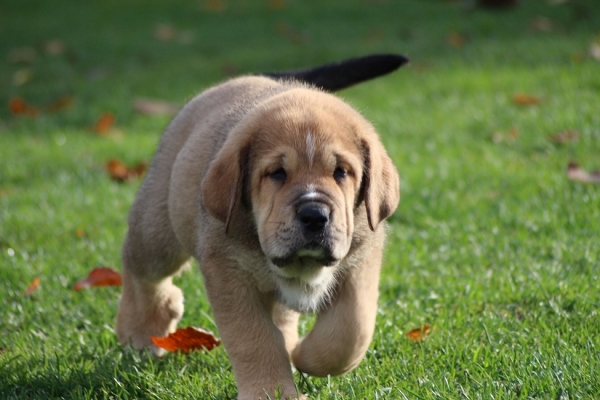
x=116 y=374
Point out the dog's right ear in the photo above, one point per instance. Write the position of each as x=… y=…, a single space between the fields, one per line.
x=223 y=185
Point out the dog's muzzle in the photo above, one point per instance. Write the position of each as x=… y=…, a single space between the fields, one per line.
x=314 y=220
x=313 y=217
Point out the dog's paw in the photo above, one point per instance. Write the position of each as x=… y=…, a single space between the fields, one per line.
x=148 y=311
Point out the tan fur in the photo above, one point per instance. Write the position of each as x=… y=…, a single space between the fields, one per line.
x=213 y=192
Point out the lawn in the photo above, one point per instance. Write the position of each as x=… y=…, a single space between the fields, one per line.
x=492 y=245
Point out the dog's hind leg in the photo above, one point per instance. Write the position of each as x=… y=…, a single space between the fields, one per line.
x=150 y=304
x=343 y=331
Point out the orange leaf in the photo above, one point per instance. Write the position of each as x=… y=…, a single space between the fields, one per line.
x=526 y=99
x=100 y=276
x=35 y=283
x=576 y=173
x=18 y=106
x=418 y=334
x=120 y=172
x=187 y=339
x=104 y=124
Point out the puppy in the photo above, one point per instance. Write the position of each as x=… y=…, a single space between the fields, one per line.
x=280 y=190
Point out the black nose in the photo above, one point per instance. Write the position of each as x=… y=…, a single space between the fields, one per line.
x=313 y=216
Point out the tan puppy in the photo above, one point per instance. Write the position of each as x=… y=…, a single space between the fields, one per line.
x=279 y=190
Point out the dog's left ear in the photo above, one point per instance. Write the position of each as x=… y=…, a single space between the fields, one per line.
x=380 y=182
x=223 y=185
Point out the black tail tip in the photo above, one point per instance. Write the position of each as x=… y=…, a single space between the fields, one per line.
x=345 y=73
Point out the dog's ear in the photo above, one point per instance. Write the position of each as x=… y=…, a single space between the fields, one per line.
x=223 y=185
x=380 y=182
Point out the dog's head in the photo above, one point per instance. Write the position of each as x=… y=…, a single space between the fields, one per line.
x=302 y=163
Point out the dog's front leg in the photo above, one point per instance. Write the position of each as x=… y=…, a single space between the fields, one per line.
x=255 y=346
x=343 y=331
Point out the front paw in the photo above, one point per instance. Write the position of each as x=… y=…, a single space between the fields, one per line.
x=146 y=311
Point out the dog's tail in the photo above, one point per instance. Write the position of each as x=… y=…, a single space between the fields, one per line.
x=342 y=74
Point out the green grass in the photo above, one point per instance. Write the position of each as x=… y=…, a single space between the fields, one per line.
x=492 y=245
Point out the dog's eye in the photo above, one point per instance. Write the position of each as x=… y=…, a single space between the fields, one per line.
x=339 y=173
x=278 y=175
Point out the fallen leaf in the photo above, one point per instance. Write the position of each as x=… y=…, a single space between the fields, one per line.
x=564 y=137
x=100 y=276
x=187 y=339
x=80 y=233
x=18 y=106
x=456 y=39
x=104 y=124
x=154 y=107
x=576 y=173
x=526 y=99
x=418 y=334
x=117 y=170
x=35 y=283
x=59 y=104
x=120 y=172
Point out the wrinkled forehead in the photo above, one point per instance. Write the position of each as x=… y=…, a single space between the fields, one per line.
x=309 y=138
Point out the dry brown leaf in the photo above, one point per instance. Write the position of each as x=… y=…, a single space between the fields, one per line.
x=18 y=106
x=523 y=99
x=564 y=137
x=154 y=107
x=104 y=124
x=80 y=233
x=418 y=334
x=576 y=173
x=100 y=276
x=120 y=172
x=187 y=339
x=35 y=283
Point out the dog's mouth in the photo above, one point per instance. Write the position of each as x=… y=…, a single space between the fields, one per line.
x=310 y=255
